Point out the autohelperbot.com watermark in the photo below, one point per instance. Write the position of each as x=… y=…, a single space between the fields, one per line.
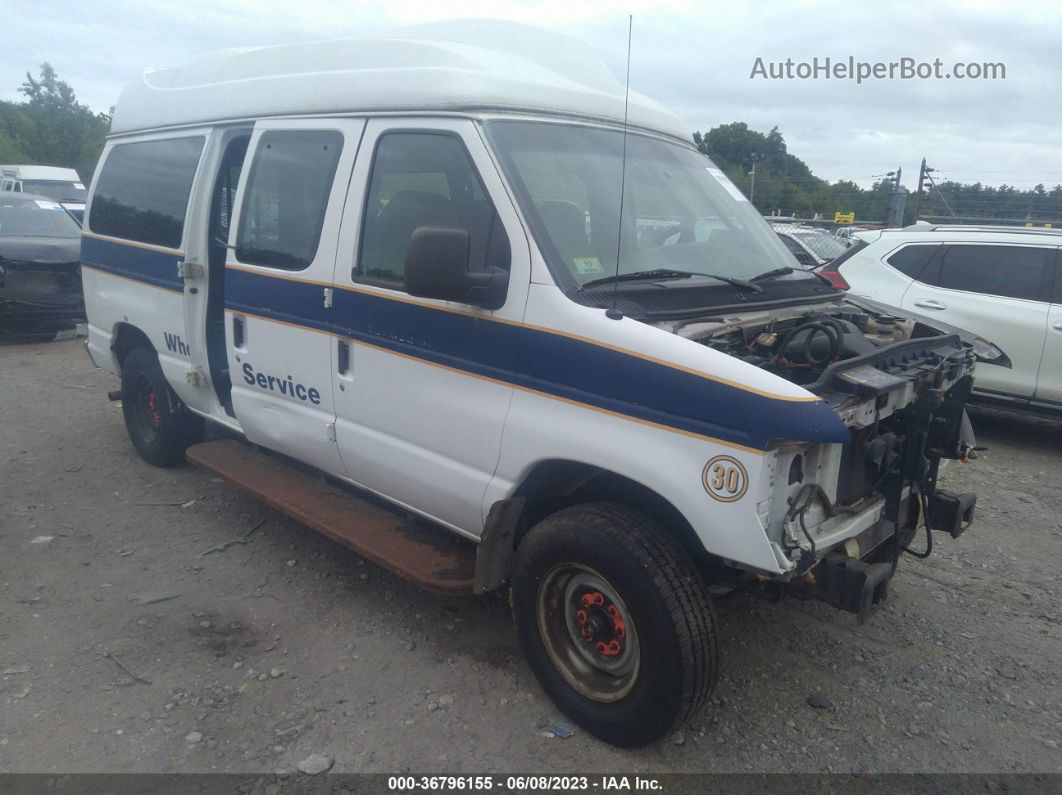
x=849 y=68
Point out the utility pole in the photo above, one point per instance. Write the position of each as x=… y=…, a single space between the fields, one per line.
x=897 y=199
x=752 y=183
x=923 y=172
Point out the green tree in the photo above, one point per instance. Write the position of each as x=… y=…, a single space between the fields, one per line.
x=784 y=183
x=51 y=127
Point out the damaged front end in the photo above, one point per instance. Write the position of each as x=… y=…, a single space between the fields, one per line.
x=39 y=297
x=839 y=515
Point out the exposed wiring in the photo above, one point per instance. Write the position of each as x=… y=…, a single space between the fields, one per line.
x=924 y=503
x=799 y=506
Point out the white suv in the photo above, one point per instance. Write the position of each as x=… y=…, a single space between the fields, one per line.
x=1002 y=283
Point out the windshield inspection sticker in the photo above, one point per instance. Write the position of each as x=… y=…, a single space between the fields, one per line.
x=46 y=205
x=79 y=186
x=587 y=265
x=724 y=180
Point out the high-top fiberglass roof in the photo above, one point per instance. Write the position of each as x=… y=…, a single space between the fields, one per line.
x=453 y=66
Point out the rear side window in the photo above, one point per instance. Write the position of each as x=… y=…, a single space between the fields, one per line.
x=1007 y=271
x=424 y=179
x=912 y=260
x=287 y=196
x=142 y=191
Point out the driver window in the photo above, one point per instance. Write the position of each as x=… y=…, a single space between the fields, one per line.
x=423 y=179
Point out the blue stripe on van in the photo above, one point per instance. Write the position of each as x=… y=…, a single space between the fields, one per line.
x=542 y=361
x=546 y=362
x=133 y=262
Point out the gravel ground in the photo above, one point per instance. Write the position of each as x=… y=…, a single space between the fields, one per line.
x=290 y=645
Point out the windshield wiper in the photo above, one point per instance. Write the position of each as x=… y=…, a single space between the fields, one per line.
x=658 y=273
x=772 y=274
x=666 y=273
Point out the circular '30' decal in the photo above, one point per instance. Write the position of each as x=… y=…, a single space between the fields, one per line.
x=725 y=478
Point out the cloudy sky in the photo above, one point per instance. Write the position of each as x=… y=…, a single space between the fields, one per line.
x=695 y=57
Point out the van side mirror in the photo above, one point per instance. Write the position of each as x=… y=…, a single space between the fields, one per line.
x=437 y=267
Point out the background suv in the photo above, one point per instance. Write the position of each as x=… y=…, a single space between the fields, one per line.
x=1002 y=283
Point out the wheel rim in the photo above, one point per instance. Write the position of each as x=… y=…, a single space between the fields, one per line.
x=146 y=410
x=588 y=632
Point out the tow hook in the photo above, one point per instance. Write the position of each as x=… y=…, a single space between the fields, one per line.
x=851 y=584
x=952 y=513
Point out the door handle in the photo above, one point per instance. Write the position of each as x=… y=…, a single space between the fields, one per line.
x=1057 y=326
x=343 y=357
x=930 y=304
x=237 y=332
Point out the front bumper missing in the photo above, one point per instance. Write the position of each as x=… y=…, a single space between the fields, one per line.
x=952 y=513
x=851 y=584
x=855 y=576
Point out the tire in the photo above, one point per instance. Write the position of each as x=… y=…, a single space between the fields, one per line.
x=159 y=424
x=633 y=675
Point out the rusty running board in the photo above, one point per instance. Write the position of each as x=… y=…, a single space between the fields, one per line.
x=432 y=558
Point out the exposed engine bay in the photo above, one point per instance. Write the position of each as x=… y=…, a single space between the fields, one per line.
x=840 y=515
x=799 y=343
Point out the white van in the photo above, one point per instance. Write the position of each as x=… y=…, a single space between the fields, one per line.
x=59 y=184
x=565 y=350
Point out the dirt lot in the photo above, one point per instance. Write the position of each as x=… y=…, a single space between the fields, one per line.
x=290 y=644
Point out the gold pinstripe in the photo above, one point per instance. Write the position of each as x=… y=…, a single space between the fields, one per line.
x=132 y=243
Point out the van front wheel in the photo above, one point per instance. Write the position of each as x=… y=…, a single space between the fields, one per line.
x=615 y=622
x=159 y=424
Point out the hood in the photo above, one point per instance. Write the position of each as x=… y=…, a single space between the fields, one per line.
x=41 y=249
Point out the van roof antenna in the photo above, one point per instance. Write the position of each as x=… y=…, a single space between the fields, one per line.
x=612 y=312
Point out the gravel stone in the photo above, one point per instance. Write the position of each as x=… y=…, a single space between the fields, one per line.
x=316 y=763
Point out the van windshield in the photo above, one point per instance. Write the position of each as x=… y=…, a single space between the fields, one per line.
x=680 y=213
x=55 y=189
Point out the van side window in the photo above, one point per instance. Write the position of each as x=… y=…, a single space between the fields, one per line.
x=286 y=198
x=142 y=191
x=1008 y=271
x=424 y=179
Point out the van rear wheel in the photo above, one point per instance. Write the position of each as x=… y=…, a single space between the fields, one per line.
x=615 y=622
x=159 y=424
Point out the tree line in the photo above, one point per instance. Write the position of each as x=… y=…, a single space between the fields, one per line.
x=50 y=127
x=786 y=186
